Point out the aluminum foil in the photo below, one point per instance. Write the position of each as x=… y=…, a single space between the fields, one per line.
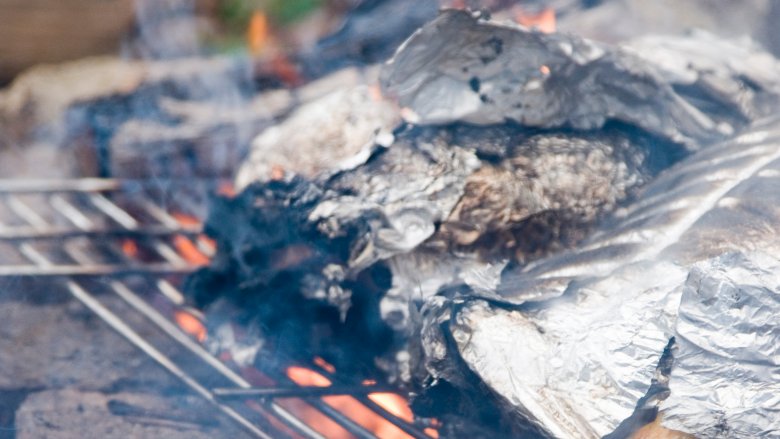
x=461 y=67
x=725 y=382
x=328 y=133
x=577 y=362
x=734 y=80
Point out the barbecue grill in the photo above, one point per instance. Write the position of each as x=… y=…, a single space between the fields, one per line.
x=75 y=234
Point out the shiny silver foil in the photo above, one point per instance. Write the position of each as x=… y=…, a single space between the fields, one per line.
x=577 y=358
x=725 y=382
x=462 y=67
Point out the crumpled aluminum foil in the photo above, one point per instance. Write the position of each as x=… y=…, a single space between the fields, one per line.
x=694 y=211
x=576 y=363
x=461 y=67
x=725 y=382
x=326 y=134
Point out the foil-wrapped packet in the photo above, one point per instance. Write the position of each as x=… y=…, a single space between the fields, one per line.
x=463 y=67
x=579 y=337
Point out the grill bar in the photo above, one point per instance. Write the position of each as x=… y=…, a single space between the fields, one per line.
x=92 y=270
x=115 y=223
x=30 y=233
x=296 y=392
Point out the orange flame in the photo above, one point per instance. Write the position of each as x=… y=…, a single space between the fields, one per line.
x=258 y=33
x=186 y=248
x=189 y=251
x=394 y=404
x=319 y=361
x=353 y=408
x=186 y=220
x=544 y=21
x=190 y=324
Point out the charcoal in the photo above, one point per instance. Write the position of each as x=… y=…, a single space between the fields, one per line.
x=461 y=67
x=582 y=351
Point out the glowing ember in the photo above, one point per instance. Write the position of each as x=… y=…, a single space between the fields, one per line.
x=130 y=247
x=307 y=377
x=543 y=21
x=186 y=248
x=189 y=251
x=353 y=408
x=432 y=432
x=394 y=404
x=226 y=189
x=186 y=220
x=277 y=172
x=190 y=324
x=319 y=361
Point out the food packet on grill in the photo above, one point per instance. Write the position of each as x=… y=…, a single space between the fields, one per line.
x=463 y=67
x=574 y=343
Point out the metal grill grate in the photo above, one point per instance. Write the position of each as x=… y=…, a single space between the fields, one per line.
x=76 y=232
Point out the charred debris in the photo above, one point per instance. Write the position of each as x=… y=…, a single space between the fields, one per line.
x=516 y=145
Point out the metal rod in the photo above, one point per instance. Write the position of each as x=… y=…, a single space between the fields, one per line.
x=173 y=331
x=86 y=185
x=345 y=421
x=411 y=429
x=67 y=185
x=295 y=392
x=139 y=342
x=155 y=234
x=118 y=325
x=93 y=270
x=28 y=233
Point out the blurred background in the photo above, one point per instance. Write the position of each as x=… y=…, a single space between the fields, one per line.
x=137 y=88
x=45 y=31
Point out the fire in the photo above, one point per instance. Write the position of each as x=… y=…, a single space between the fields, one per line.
x=186 y=247
x=189 y=251
x=353 y=408
x=186 y=220
x=258 y=33
x=262 y=43
x=319 y=361
x=190 y=324
x=544 y=20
